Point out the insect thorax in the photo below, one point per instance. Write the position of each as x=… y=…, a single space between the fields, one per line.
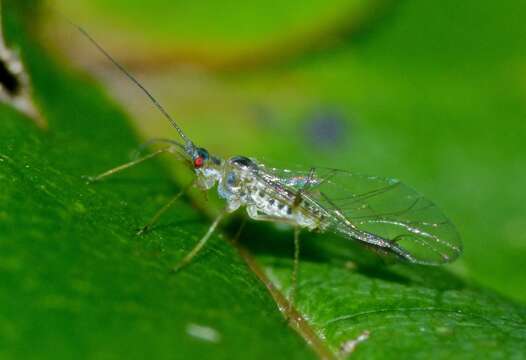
x=240 y=186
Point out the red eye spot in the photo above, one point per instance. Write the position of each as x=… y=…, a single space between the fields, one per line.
x=198 y=162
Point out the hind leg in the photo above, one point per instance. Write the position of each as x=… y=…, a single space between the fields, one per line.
x=295 y=267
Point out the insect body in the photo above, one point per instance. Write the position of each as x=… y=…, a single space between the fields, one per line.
x=379 y=212
x=242 y=183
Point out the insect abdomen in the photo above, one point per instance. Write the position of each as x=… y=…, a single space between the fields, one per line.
x=262 y=203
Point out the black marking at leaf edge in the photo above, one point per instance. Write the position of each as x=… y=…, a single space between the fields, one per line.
x=8 y=80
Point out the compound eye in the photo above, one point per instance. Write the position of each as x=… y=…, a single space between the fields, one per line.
x=201 y=155
x=199 y=162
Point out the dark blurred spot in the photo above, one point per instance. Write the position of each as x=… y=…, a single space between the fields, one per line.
x=8 y=80
x=326 y=129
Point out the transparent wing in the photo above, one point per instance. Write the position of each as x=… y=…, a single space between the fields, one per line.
x=379 y=211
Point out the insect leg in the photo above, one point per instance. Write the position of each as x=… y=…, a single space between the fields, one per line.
x=240 y=230
x=200 y=244
x=162 y=210
x=92 y=179
x=294 y=276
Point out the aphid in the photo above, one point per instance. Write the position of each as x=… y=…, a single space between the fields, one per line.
x=379 y=212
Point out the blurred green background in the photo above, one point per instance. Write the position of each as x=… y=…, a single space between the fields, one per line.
x=431 y=92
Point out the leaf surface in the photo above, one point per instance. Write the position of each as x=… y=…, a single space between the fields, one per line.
x=74 y=278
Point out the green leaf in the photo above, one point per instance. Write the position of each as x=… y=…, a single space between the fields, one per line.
x=408 y=311
x=75 y=281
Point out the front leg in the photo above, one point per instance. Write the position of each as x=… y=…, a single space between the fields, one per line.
x=92 y=179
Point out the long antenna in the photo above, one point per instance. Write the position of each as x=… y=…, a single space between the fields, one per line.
x=136 y=82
